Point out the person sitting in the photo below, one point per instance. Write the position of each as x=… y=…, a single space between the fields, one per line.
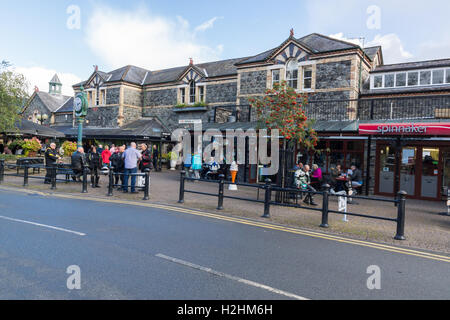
x=306 y=185
x=336 y=172
x=356 y=177
x=77 y=163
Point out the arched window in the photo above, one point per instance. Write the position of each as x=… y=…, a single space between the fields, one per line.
x=292 y=73
x=192 y=92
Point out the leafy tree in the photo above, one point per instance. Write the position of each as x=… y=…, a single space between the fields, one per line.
x=13 y=91
x=282 y=108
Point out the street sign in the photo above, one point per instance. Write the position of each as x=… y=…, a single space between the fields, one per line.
x=190 y=121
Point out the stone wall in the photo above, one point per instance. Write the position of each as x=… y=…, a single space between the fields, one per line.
x=132 y=97
x=253 y=82
x=223 y=92
x=333 y=75
x=66 y=119
x=103 y=117
x=163 y=97
x=37 y=105
x=112 y=96
x=131 y=114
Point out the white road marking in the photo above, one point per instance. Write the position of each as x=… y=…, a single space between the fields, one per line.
x=43 y=225
x=230 y=277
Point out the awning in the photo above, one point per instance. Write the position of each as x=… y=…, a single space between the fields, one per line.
x=25 y=127
x=406 y=129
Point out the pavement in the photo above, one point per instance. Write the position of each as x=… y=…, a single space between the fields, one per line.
x=154 y=251
x=425 y=228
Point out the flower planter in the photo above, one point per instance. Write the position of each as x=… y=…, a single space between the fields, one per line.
x=173 y=164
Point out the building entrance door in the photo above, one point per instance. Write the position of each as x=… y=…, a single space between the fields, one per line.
x=430 y=172
x=408 y=170
x=387 y=170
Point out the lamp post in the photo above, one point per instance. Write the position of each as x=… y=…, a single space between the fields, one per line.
x=80 y=107
x=42 y=118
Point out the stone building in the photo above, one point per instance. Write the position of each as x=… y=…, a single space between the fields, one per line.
x=49 y=108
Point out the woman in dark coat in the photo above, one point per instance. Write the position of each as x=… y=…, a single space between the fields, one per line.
x=95 y=164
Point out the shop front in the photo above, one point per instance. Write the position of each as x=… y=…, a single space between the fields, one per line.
x=414 y=157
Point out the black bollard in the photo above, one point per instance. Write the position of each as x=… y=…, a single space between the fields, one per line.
x=147 y=185
x=221 y=191
x=25 y=174
x=53 y=179
x=401 y=207
x=267 y=198
x=111 y=182
x=182 y=179
x=2 y=170
x=85 y=183
x=326 y=194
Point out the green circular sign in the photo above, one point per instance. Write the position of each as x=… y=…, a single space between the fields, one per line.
x=80 y=104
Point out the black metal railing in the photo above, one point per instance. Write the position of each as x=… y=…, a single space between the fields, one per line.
x=395 y=108
x=269 y=188
x=64 y=169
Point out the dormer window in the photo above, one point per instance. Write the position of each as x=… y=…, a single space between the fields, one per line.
x=292 y=73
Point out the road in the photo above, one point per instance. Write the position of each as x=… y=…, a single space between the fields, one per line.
x=136 y=252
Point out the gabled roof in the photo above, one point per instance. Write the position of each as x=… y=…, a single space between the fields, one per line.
x=315 y=42
x=210 y=69
x=131 y=74
x=66 y=107
x=52 y=101
x=372 y=52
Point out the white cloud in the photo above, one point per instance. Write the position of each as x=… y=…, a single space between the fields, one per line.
x=146 y=40
x=392 y=46
x=40 y=77
x=206 y=25
x=340 y=36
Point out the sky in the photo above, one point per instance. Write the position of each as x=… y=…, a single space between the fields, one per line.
x=41 y=38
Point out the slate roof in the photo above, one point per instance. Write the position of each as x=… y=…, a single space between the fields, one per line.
x=372 y=51
x=316 y=42
x=413 y=65
x=26 y=127
x=66 y=107
x=52 y=101
x=139 y=129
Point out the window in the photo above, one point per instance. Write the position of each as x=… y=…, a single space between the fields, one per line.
x=201 y=91
x=378 y=81
x=447 y=75
x=413 y=78
x=438 y=76
x=389 y=80
x=292 y=73
x=97 y=97
x=425 y=77
x=400 y=79
x=192 y=92
x=182 y=95
x=307 y=78
x=103 y=97
x=275 y=77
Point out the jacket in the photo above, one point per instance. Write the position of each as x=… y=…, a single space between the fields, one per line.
x=196 y=162
x=356 y=176
x=146 y=162
x=51 y=156
x=78 y=160
x=94 y=160
x=117 y=162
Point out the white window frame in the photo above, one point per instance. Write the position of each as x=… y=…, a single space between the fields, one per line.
x=190 y=92
x=294 y=69
x=279 y=76
x=446 y=71
x=304 y=68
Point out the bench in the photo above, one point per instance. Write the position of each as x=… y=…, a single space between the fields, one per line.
x=30 y=161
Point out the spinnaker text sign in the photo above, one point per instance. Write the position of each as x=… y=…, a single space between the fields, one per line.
x=417 y=129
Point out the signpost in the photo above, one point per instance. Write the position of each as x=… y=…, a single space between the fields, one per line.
x=80 y=106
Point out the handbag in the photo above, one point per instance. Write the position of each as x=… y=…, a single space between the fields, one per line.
x=140 y=183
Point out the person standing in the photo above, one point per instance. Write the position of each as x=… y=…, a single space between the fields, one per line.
x=196 y=165
x=106 y=154
x=112 y=149
x=146 y=162
x=155 y=157
x=100 y=149
x=118 y=165
x=95 y=164
x=51 y=159
x=188 y=164
x=131 y=157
